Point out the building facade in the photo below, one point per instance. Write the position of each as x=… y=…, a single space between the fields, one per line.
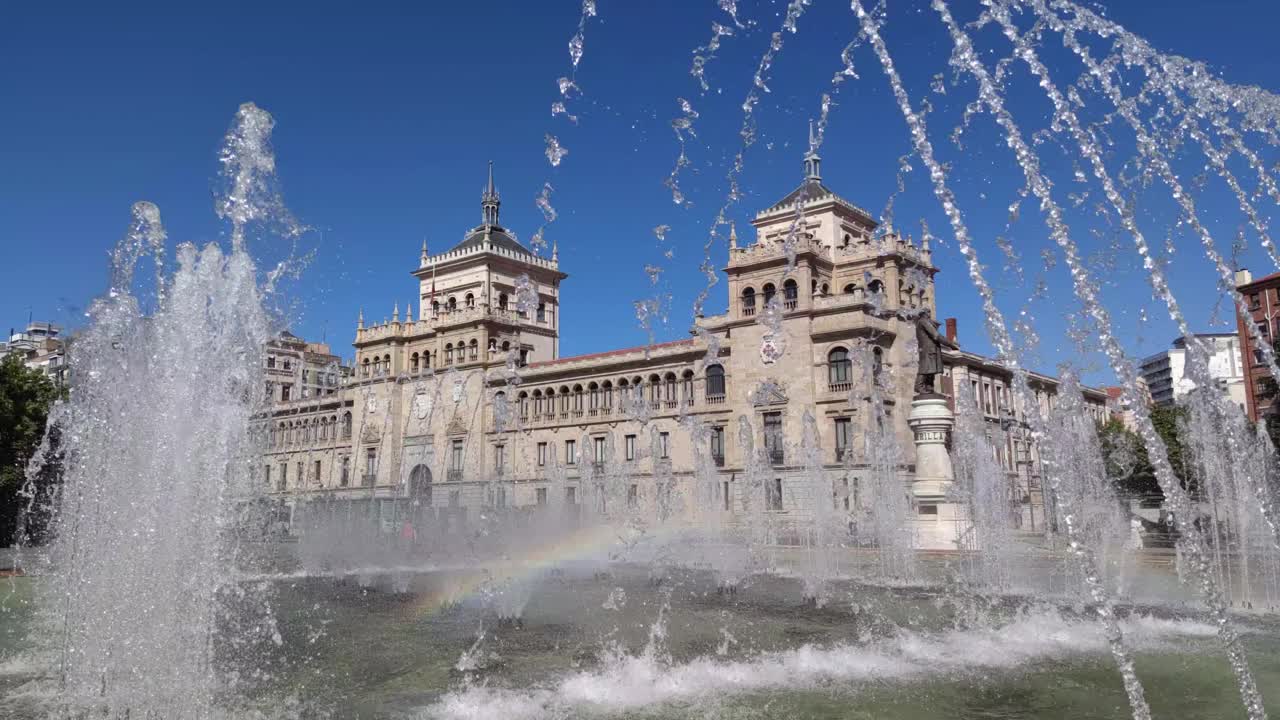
x=41 y=347
x=465 y=403
x=1263 y=300
x=1167 y=378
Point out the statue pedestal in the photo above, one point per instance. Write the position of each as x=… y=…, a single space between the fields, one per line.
x=938 y=524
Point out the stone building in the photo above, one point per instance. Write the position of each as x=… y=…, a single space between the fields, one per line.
x=465 y=402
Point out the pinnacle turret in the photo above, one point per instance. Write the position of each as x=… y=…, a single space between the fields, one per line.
x=489 y=201
x=812 y=161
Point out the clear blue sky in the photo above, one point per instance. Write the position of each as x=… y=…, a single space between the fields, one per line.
x=387 y=113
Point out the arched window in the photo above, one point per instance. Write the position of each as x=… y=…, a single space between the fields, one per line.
x=502 y=301
x=593 y=398
x=875 y=287
x=448 y=353
x=715 y=383
x=687 y=384
x=493 y=345
x=549 y=404
x=768 y=291
x=282 y=435
x=844 y=241
x=506 y=346
x=471 y=300
x=386 y=364
x=500 y=411
x=475 y=349
x=324 y=429
x=790 y=294
x=624 y=393
x=365 y=367
x=537 y=403
x=346 y=426
x=564 y=399
x=877 y=363
x=377 y=366
x=848 y=289
x=839 y=369
x=435 y=308
x=749 y=301
x=826 y=289
x=426 y=359
x=606 y=395
x=669 y=391
x=413 y=362
x=542 y=312
x=452 y=305
x=577 y=399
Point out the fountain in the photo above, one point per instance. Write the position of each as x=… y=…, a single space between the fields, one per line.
x=886 y=564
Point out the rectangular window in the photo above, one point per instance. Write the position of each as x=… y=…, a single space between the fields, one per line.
x=570 y=452
x=1255 y=301
x=371 y=462
x=928 y=510
x=773 y=494
x=542 y=454
x=597 y=445
x=271 y=361
x=542 y=312
x=455 y=456
x=630 y=442
x=301 y=473
x=499 y=458
x=717 y=446
x=664 y=445
x=773 y=439
x=284 y=392
x=268 y=477
x=844 y=435
x=346 y=471
x=727 y=495
x=633 y=495
x=542 y=497
x=316 y=470
x=571 y=496
x=284 y=476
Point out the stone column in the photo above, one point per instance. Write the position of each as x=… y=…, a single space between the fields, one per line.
x=939 y=523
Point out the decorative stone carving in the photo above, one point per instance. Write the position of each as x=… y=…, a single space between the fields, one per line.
x=769 y=392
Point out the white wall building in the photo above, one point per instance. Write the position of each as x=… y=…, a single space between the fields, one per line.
x=1166 y=372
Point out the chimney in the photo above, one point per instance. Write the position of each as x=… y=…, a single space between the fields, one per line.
x=1243 y=277
x=951 y=329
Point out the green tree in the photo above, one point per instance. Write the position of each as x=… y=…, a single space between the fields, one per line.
x=1127 y=462
x=26 y=395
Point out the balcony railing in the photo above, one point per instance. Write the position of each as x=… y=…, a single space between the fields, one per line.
x=839 y=386
x=367 y=479
x=669 y=404
x=715 y=399
x=454 y=475
x=718 y=459
x=748 y=310
x=790 y=304
x=776 y=456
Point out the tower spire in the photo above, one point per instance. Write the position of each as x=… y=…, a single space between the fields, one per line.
x=812 y=161
x=733 y=236
x=423 y=259
x=360 y=320
x=489 y=201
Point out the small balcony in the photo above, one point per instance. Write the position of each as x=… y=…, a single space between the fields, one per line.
x=839 y=387
x=718 y=459
x=790 y=304
x=715 y=399
x=748 y=310
x=777 y=456
x=367 y=479
x=454 y=475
